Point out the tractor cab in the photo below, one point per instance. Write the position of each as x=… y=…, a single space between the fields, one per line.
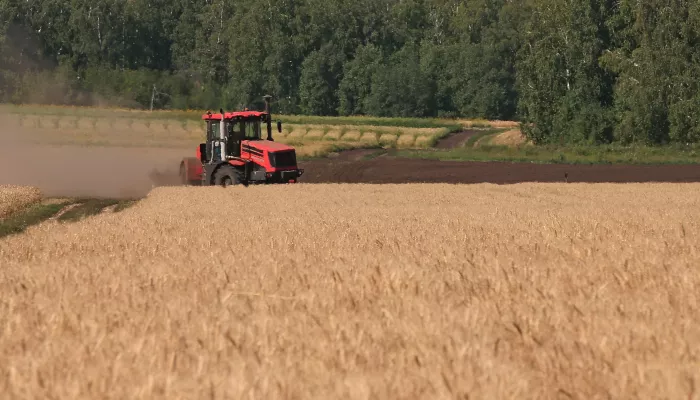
x=230 y=130
x=239 y=148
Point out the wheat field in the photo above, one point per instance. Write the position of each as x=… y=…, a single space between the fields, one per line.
x=14 y=198
x=543 y=291
x=125 y=130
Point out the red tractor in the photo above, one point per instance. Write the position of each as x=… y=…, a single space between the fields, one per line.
x=235 y=152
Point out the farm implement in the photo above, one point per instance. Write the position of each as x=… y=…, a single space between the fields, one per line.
x=236 y=153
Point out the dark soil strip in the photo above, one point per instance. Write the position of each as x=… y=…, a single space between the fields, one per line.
x=455 y=140
x=388 y=170
x=36 y=214
x=354 y=155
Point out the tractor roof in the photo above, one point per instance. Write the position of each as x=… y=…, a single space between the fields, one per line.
x=231 y=115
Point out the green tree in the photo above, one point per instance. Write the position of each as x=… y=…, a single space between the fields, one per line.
x=320 y=75
x=356 y=84
x=400 y=87
x=564 y=93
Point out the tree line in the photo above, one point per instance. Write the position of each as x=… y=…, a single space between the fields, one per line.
x=573 y=71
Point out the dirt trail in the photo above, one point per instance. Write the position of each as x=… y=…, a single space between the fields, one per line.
x=457 y=139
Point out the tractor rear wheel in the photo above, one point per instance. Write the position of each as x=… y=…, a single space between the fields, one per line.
x=226 y=176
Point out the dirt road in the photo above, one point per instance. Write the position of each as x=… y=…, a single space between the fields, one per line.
x=457 y=139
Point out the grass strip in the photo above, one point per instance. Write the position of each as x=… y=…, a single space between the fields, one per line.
x=90 y=207
x=124 y=204
x=196 y=115
x=86 y=208
x=374 y=154
x=35 y=214
x=610 y=154
x=474 y=139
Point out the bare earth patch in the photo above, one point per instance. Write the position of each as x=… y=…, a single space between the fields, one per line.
x=455 y=140
x=361 y=291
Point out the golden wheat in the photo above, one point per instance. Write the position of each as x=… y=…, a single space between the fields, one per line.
x=478 y=123
x=125 y=130
x=14 y=198
x=314 y=134
x=513 y=137
x=360 y=291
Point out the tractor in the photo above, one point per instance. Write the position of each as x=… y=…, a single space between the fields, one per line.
x=236 y=154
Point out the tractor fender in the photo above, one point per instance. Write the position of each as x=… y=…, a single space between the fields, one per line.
x=192 y=169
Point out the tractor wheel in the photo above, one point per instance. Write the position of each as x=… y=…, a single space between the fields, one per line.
x=226 y=176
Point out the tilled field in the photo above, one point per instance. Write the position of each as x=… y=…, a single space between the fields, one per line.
x=397 y=170
x=132 y=172
x=361 y=291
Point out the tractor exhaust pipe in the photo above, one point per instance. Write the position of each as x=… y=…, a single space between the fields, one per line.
x=269 y=116
x=222 y=136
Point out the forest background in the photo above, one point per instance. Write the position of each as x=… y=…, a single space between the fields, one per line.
x=573 y=72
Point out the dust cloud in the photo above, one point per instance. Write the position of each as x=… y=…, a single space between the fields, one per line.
x=113 y=172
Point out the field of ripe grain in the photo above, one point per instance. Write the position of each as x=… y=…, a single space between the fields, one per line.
x=312 y=136
x=142 y=132
x=361 y=291
x=14 y=198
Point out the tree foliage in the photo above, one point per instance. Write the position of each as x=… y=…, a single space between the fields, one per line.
x=590 y=71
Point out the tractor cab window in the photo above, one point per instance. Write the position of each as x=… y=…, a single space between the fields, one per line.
x=214 y=133
x=252 y=130
x=234 y=131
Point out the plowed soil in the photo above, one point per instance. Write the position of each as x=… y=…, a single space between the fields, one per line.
x=391 y=170
x=128 y=172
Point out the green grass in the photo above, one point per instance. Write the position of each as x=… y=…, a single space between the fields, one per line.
x=374 y=154
x=89 y=207
x=20 y=221
x=196 y=115
x=86 y=208
x=371 y=121
x=472 y=140
x=124 y=204
x=605 y=154
x=37 y=213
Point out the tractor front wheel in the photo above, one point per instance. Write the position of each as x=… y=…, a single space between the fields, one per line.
x=226 y=176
